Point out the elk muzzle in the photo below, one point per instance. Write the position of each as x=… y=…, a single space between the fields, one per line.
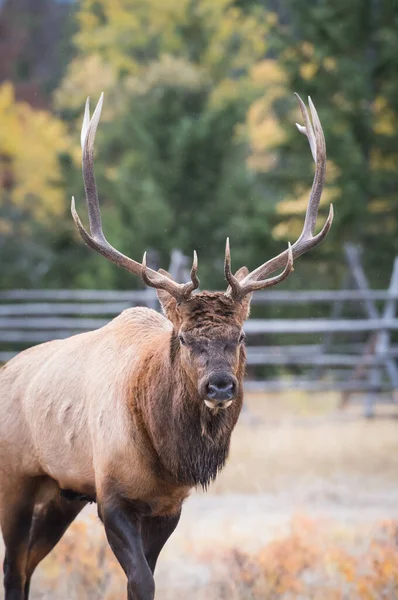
x=220 y=390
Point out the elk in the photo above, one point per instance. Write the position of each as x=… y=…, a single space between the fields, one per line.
x=135 y=414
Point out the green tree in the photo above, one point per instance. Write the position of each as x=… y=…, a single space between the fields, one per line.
x=172 y=145
x=344 y=55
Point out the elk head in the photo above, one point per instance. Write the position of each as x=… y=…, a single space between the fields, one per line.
x=208 y=327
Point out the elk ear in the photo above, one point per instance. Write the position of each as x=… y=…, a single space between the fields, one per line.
x=245 y=304
x=241 y=273
x=168 y=303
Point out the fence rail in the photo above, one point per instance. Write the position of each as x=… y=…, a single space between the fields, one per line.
x=253 y=326
x=349 y=354
x=141 y=296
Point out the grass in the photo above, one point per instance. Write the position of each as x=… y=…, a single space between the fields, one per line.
x=314 y=561
x=294 y=439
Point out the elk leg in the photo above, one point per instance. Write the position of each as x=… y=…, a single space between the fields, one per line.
x=16 y=512
x=122 y=521
x=48 y=526
x=155 y=533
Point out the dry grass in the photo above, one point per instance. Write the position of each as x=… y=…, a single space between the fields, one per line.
x=295 y=439
x=314 y=561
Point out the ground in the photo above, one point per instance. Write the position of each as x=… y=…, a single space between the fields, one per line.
x=307 y=508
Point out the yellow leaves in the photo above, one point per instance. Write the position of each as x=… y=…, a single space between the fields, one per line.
x=271 y=18
x=330 y=64
x=379 y=161
x=343 y=563
x=30 y=141
x=295 y=207
x=287 y=230
x=309 y=562
x=385 y=125
x=283 y=561
x=297 y=203
x=385 y=121
x=87 y=20
x=228 y=88
x=379 y=104
x=270 y=76
x=267 y=72
x=264 y=130
x=235 y=43
x=129 y=29
x=129 y=47
x=8 y=142
x=379 y=206
x=308 y=70
x=129 y=25
x=88 y=76
x=265 y=133
x=167 y=71
x=308 y=49
x=310 y=62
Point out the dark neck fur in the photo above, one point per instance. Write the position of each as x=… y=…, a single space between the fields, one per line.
x=191 y=443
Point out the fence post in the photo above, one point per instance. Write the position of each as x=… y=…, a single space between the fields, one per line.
x=153 y=261
x=379 y=345
x=384 y=336
x=336 y=312
x=178 y=268
x=353 y=255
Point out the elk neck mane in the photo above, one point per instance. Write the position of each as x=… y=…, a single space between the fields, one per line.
x=189 y=443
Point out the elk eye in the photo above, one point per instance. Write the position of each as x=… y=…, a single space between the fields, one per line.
x=182 y=341
x=242 y=338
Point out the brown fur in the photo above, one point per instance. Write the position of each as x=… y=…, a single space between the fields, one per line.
x=115 y=413
x=121 y=406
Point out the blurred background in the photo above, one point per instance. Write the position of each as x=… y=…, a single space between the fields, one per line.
x=198 y=142
x=197 y=139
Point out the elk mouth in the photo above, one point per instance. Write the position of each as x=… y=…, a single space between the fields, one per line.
x=219 y=391
x=217 y=405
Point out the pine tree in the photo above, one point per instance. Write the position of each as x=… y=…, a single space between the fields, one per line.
x=171 y=146
x=342 y=54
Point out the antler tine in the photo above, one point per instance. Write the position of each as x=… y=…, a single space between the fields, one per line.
x=257 y=279
x=233 y=281
x=96 y=238
x=318 y=140
x=307 y=129
x=194 y=283
x=185 y=289
x=238 y=291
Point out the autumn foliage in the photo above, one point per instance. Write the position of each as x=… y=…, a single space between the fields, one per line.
x=314 y=559
x=197 y=140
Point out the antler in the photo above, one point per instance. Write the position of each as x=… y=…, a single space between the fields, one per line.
x=257 y=279
x=96 y=239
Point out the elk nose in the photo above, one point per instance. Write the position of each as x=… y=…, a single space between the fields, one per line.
x=221 y=388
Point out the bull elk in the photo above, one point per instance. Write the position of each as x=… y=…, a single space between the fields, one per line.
x=135 y=414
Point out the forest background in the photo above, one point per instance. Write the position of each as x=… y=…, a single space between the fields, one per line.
x=197 y=140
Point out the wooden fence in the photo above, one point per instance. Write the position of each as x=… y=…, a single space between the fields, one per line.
x=350 y=352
